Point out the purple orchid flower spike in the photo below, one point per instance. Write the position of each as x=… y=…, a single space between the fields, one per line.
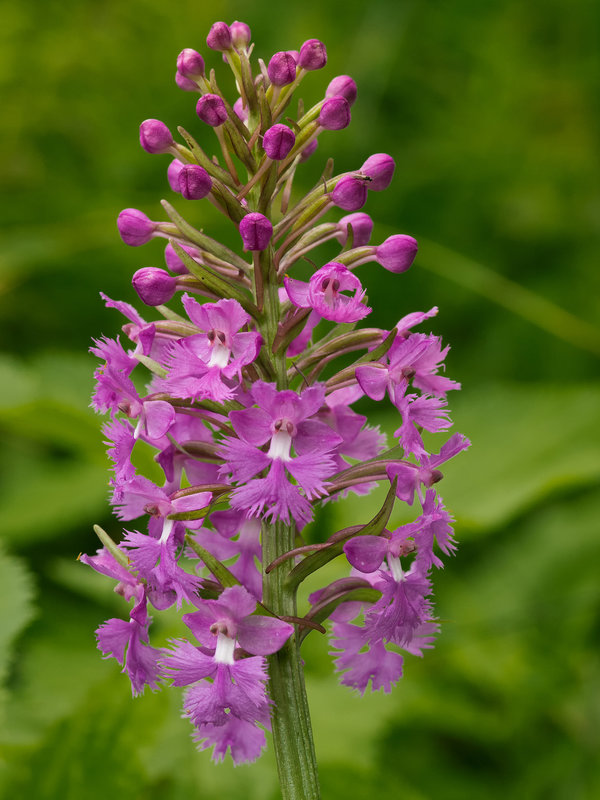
x=248 y=407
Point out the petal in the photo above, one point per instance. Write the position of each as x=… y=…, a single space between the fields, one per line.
x=262 y=636
x=372 y=380
x=366 y=553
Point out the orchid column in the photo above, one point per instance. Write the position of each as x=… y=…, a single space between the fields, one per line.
x=248 y=412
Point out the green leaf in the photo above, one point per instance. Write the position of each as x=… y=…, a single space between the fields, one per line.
x=219 y=570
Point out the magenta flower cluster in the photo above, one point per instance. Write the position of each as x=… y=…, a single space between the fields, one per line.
x=244 y=390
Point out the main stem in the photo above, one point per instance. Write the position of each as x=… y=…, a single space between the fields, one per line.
x=292 y=731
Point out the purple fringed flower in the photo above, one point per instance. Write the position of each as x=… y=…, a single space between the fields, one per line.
x=219 y=37
x=241 y=34
x=361 y=225
x=206 y=366
x=380 y=169
x=323 y=293
x=155 y=137
x=282 y=419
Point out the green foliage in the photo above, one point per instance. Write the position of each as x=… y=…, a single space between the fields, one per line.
x=489 y=110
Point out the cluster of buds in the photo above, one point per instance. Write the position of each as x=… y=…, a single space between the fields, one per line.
x=248 y=409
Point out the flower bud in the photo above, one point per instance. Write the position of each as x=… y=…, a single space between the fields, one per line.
x=362 y=228
x=256 y=231
x=194 y=182
x=173 y=171
x=397 y=253
x=155 y=137
x=350 y=193
x=240 y=34
x=154 y=286
x=185 y=83
x=380 y=168
x=240 y=111
x=278 y=141
x=190 y=64
x=282 y=69
x=313 y=55
x=211 y=109
x=219 y=37
x=309 y=150
x=174 y=263
x=335 y=114
x=135 y=227
x=342 y=86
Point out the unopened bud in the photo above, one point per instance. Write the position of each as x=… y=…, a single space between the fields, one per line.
x=155 y=137
x=309 y=150
x=185 y=83
x=154 y=286
x=240 y=34
x=282 y=69
x=240 y=111
x=135 y=227
x=335 y=114
x=344 y=86
x=211 y=109
x=278 y=141
x=350 y=193
x=174 y=263
x=362 y=228
x=256 y=231
x=194 y=182
x=219 y=37
x=190 y=64
x=173 y=171
x=313 y=55
x=380 y=168
x=397 y=253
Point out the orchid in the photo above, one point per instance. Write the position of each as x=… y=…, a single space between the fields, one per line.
x=244 y=388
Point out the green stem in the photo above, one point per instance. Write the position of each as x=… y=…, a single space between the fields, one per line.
x=292 y=732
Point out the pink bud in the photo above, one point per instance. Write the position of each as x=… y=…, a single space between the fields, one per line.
x=173 y=171
x=219 y=37
x=155 y=137
x=135 y=227
x=256 y=231
x=309 y=150
x=313 y=55
x=185 y=83
x=350 y=193
x=362 y=228
x=343 y=86
x=190 y=64
x=380 y=168
x=240 y=34
x=278 y=141
x=154 y=286
x=335 y=114
x=397 y=253
x=174 y=263
x=240 y=111
x=282 y=69
x=194 y=182
x=211 y=109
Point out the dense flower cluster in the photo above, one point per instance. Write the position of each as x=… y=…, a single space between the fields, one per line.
x=248 y=406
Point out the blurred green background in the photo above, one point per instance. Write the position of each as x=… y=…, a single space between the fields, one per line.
x=491 y=112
